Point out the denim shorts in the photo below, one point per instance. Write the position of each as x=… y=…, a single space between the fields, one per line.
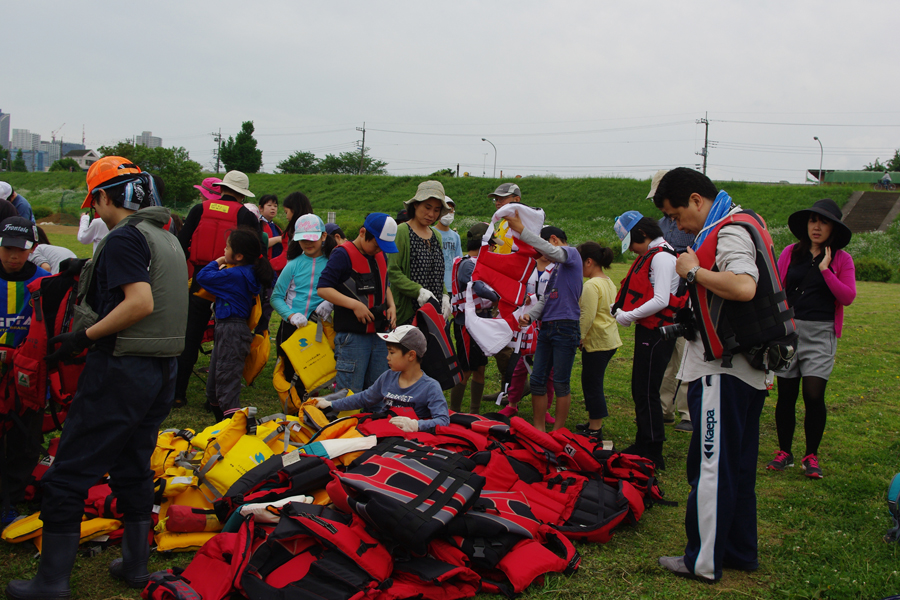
x=556 y=346
x=360 y=358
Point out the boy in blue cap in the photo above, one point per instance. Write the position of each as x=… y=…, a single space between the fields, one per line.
x=355 y=281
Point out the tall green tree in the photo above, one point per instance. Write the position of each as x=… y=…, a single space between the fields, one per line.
x=240 y=153
x=348 y=163
x=892 y=165
x=19 y=163
x=173 y=165
x=299 y=163
x=65 y=164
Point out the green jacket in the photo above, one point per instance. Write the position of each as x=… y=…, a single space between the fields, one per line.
x=162 y=332
x=404 y=289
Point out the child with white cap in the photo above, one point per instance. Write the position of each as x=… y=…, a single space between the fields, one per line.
x=404 y=385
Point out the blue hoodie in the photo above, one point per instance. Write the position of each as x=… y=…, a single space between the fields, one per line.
x=234 y=289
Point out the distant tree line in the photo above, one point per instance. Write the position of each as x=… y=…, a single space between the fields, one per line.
x=892 y=165
x=347 y=163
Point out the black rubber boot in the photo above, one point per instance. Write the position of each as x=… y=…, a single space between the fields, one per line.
x=132 y=567
x=52 y=579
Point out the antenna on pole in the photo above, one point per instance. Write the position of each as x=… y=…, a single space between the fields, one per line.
x=217 y=138
x=704 y=152
x=362 y=148
x=82 y=135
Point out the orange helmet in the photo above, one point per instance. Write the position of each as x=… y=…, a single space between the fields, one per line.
x=108 y=167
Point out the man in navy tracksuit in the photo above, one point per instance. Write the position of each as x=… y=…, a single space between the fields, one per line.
x=725 y=403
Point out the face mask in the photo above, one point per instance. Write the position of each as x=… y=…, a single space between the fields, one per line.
x=447 y=219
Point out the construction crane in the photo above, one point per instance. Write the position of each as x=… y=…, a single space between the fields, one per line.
x=53 y=134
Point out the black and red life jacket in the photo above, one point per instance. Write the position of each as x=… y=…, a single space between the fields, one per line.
x=316 y=552
x=439 y=362
x=728 y=327
x=218 y=219
x=636 y=290
x=409 y=501
x=279 y=476
x=365 y=286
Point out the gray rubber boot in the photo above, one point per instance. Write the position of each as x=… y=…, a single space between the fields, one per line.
x=52 y=579
x=132 y=567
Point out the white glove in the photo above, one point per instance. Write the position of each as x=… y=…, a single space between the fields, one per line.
x=424 y=296
x=623 y=318
x=322 y=404
x=298 y=320
x=324 y=311
x=445 y=307
x=406 y=424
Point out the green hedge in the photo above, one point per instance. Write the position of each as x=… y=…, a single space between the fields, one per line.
x=873 y=269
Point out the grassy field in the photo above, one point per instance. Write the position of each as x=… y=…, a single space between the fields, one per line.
x=818 y=539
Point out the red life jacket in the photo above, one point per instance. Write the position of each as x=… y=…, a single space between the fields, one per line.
x=727 y=327
x=458 y=293
x=273 y=231
x=219 y=218
x=362 y=285
x=636 y=290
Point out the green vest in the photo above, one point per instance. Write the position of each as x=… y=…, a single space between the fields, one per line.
x=162 y=332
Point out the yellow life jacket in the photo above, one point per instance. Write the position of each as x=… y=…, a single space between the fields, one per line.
x=311 y=352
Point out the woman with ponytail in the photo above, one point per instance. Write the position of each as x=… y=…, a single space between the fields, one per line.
x=235 y=279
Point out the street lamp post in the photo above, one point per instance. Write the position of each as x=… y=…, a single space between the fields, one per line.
x=821 y=155
x=495 y=155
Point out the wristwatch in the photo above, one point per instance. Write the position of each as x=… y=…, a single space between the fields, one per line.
x=692 y=274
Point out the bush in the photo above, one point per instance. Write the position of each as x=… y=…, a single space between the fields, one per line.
x=41 y=211
x=873 y=269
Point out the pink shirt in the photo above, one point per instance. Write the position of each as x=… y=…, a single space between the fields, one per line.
x=840 y=277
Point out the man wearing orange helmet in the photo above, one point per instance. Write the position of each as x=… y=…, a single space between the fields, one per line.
x=132 y=319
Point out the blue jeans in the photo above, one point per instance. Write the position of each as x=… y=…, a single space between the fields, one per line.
x=360 y=358
x=556 y=346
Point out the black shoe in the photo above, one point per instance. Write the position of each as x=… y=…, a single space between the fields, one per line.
x=595 y=434
x=132 y=567
x=668 y=420
x=582 y=426
x=52 y=578
x=179 y=403
x=685 y=426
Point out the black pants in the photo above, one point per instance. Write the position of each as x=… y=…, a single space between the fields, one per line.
x=112 y=428
x=199 y=313
x=20 y=447
x=651 y=356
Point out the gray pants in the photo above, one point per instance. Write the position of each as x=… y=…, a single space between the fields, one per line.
x=226 y=364
x=674 y=402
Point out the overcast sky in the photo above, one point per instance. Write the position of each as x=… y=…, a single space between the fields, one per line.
x=566 y=88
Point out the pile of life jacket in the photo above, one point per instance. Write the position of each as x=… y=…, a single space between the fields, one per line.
x=352 y=507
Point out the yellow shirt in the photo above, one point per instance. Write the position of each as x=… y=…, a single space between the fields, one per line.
x=598 y=327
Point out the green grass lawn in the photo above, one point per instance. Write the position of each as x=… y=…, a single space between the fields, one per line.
x=817 y=539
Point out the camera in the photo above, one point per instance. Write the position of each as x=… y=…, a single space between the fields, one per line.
x=683 y=326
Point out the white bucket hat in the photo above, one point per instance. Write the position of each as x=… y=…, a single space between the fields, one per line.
x=237 y=181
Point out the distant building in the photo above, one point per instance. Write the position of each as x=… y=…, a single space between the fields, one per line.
x=53 y=150
x=148 y=139
x=84 y=158
x=67 y=147
x=25 y=140
x=35 y=161
x=4 y=130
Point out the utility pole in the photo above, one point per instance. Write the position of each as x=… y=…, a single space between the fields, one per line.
x=362 y=149
x=704 y=152
x=217 y=138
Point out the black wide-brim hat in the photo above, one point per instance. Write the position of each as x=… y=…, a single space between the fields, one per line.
x=828 y=208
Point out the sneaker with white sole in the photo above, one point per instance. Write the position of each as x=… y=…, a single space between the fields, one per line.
x=811 y=468
x=782 y=461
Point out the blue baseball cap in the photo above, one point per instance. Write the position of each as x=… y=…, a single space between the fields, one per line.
x=384 y=228
x=624 y=225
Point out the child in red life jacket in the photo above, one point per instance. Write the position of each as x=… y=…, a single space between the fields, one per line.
x=405 y=385
x=235 y=289
x=294 y=297
x=599 y=334
x=18 y=443
x=355 y=281
x=647 y=297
